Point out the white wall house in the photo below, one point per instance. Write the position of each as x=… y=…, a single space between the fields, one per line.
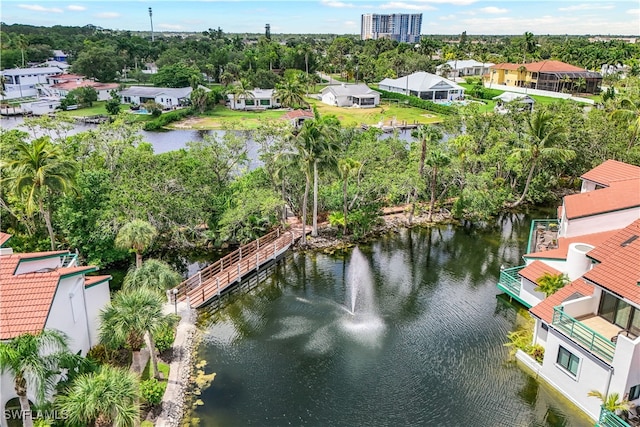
x=22 y=82
x=350 y=95
x=464 y=68
x=48 y=290
x=590 y=328
x=166 y=96
x=424 y=85
x=257 y=99
x=41 y=107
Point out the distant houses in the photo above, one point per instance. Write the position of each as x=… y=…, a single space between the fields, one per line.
x=554 y=76
x=425 y=86
x=165 y=96
x=463 y=68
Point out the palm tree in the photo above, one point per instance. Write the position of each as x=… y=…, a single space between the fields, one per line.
x=132 y=315
x=33 y=360
x=290 y=93
x=38 y=169
x=346 y=168
x=540 y=143
x=136 y=235
x=153 y=274
x=522 y=70
x=21 y=43
x=549 y=283
x=528 y=44
x=108 y=397
x=629 y=113
x=241 y=90
x=611 y=402
x=437 y=159
x=427 y=135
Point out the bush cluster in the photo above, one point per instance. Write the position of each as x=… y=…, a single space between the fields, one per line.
x=151 y=391
x=166 y=118
x=419 y=103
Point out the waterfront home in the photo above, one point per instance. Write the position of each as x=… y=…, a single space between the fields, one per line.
x=63 y=88
x=554 y=76
x=425 y=86
x=298 y=117
x=590 y=328
x=256 y=99
x=22 y=82
x=350 y=95
x=166 y=96
x=464 y=68
x=41 y=107
x=48 y=290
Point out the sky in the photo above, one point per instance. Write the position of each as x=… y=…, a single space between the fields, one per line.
x=618 y=17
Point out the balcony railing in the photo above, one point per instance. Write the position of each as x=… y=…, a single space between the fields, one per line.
x=543 y=235
x=587 y=337
x=609 y=419
x=510 y=280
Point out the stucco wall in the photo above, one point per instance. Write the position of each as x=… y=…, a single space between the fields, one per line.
x=97 y=297
x=599 y=223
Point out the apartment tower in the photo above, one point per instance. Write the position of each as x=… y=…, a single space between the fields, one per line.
x=398 y=26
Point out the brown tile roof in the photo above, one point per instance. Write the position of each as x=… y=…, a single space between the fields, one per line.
x=611 y=171
x=4 y=237
x=295 y=114
x=618 y=196
x=544 y=309
x=560 y=252
x=92 y=280
x=536 y=269
x=25 y=299
x=548 y=66
x=85 y=83
x=68 y=76
x=619 y=267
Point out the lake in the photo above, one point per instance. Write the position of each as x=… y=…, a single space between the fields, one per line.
x=407 y=330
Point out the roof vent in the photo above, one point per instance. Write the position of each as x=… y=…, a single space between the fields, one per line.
x=629 y=241
x=45 y=270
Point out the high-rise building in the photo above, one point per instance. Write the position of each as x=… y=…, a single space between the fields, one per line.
x=398 y=26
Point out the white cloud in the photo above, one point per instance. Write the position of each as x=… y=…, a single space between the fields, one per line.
x=335 y=3
x=172 y=27
x=585 y=6
x=633 y=12
x=447 y=18
x=76 y=8
x=351 y=24
x=107 y=15
x=452 y=2
x=407 y=6
x=38 y=8
x=493 y=9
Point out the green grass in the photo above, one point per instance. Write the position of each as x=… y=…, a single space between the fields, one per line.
x=162 y=367
x=98 y=109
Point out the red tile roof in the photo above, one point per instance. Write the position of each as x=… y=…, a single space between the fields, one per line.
x=4 y=237
x=25 y=299
x=92 y=280
x=560 y=252
x=619 y=267
x=85 y=83
x=618 y=196
x=612 y=171
x=544 y=309
x=540 y=67
x=295 y=114
x=68 y=76
x=536 y=269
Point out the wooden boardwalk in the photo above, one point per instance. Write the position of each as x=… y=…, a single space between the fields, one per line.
x=209 y=282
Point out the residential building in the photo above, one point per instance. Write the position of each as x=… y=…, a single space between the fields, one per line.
x=257 y=99
x=554 y=76
x=165 y=96
x=424 y=85
x=41 y=107
x=590 y=328
x=463 y=68
x=350 y=95
x=298 y=117
x=62 y=84
x=23 y=82
x=398 y=26
x=60 y=56
x=48 y=290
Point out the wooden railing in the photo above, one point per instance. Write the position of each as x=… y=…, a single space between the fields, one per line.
x=214 y=278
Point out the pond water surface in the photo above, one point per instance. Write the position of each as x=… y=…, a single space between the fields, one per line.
x=423 y=346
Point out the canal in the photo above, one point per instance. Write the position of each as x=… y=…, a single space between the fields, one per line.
x=406 y=330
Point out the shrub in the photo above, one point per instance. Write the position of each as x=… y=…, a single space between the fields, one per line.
x=164 y=338
x=418 y=103
x=166 y=118
x=151 y=391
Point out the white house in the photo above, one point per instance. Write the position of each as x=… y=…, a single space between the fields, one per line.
x=350 y=95
x=590 y=329
x=464 y=68
x=22 y=82
x=48 y=290
x=41 y=107
x=257 y=99
x=166 y=96
x=424 y=85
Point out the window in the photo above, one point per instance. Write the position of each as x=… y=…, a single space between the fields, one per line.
x=266 y=102
x=568 y=361
x=634 y=392
x=249 y=102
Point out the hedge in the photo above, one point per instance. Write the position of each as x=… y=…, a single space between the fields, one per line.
x=166 y=118
x=419 y=103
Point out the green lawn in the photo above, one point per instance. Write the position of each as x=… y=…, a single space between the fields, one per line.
x=162 y=367
x=98 y=109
